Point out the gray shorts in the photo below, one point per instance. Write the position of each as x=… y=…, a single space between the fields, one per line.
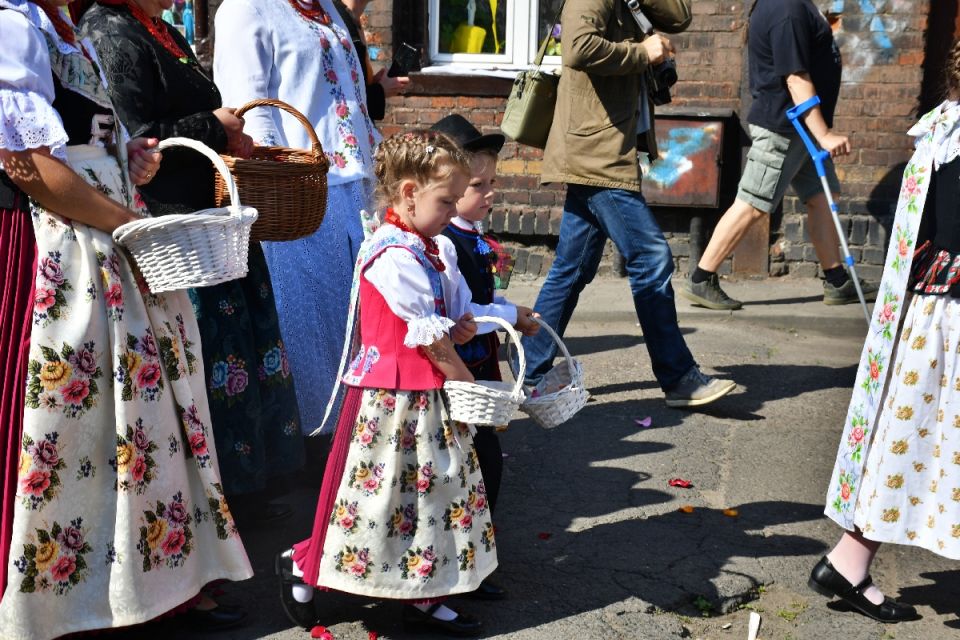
x=773 y=162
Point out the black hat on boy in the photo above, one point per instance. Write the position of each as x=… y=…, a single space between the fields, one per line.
x=467 y=136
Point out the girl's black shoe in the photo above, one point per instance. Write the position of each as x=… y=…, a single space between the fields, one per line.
x=301 y=614
x=463 y=625
x=827 y=581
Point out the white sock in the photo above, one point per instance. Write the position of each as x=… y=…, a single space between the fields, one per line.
x=443 y=612
x=302 y=593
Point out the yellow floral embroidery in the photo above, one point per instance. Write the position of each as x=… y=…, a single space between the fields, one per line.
x=914 y=500
x=928 y=398
x=895 y=481
x=899 y=447
x=918 y=343
x=919 y=466
x=905 y=412
x=891 y=515
x=911 y=378
x=923 y=432
x=911 y=535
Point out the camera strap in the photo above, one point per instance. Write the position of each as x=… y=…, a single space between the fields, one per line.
x=645 y=25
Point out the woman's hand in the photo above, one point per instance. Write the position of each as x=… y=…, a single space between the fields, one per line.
x=525 y=321
x=144 y=160
x=391 y=86
x=239 y=144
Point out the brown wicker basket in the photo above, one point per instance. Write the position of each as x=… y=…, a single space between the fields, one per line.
x=288 y=187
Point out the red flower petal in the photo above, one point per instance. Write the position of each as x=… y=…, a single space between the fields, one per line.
x=543 y=535
x=372 y=635
x=320 y=632
x=680 y=482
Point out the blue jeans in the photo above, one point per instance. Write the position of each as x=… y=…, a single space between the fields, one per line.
x=590 y=216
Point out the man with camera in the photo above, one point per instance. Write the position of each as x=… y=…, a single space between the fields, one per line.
x=603 y=120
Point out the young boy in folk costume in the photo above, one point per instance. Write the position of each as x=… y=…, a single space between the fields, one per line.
x=403 y=511
x=478 y=262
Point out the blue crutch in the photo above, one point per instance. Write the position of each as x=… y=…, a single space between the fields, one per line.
x=818 y=156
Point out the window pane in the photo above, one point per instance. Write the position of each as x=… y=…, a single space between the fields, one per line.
x=484 y=35
x=546 y=13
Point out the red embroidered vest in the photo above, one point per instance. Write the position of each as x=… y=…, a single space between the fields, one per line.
x=383 y=361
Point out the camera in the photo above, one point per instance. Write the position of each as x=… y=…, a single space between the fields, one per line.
x=663 y=76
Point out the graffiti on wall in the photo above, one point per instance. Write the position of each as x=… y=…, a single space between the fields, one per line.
x=687 y=170
x=872 y=41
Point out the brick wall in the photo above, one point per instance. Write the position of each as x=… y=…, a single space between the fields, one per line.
x=883 y=52
x=883 y=44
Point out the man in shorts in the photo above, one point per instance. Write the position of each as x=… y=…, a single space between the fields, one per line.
x=793 y=57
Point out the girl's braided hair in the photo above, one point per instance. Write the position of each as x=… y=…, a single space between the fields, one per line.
x=420 y=155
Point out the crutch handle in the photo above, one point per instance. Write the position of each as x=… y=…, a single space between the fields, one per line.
x=818 y=155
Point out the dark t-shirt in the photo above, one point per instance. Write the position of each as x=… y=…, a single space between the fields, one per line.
x=788 y=37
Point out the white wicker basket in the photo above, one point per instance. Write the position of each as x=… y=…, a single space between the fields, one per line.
x=487 y=402
x=200 y=249
x=560 y=394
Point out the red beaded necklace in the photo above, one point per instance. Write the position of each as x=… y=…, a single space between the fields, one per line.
x=430 y=245
x=64 y=28
x=155 y=26
x=314 y=12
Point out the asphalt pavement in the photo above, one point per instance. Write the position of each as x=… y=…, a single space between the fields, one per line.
x=593 y=541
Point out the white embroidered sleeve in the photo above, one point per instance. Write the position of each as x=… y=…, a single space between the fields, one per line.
x=404 y=284
x=243 y=60
x=27 y=117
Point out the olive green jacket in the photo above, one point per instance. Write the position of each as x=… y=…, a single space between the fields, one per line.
x=593 y=140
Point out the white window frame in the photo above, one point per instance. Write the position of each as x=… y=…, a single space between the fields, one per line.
x=519 y=52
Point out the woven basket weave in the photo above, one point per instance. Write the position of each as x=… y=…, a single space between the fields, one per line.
x=487 y=402
x=287 y=187
x=560 y=394
x=200 y=249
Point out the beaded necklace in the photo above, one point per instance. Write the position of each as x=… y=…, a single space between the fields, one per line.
x=64 y=29
x=155 y=26
x=314 y=13
x=432 y=249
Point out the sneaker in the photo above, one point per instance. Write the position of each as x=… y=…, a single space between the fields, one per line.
x=847 y=293
x=696 y=388
x=708 y=294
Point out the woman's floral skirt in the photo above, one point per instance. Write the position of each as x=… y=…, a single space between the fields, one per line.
x=411 y=519
x=910 y=489
x=120 y=515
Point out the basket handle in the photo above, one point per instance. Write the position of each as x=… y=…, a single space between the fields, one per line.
x=571 y=363
x=283 y=106
x=563 y=348
x=518 y=387
x=217 y=161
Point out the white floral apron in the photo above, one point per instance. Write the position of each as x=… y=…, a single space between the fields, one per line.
x=120 y=515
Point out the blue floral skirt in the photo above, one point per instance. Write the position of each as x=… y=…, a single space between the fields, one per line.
x=253 y=406
x=311 y=281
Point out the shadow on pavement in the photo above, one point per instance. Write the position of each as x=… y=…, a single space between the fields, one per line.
x=940 y=594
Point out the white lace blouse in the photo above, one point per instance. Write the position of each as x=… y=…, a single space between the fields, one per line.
x=27 y=117
x=404 y=284
x=265 y=49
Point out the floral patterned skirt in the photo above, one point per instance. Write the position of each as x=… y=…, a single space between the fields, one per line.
x=910 y=489
x=411 y=519
x=253 y=405
x=120 y=515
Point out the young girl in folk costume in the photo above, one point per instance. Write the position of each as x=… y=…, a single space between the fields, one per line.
x=897 y=474
x=119 y=514
x=403 y=511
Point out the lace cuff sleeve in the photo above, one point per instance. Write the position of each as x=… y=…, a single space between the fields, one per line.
x=29 y=121
x=426 y=330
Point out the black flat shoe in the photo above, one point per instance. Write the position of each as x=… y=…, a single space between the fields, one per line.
x=463 y=625
x=488 y=590
x=221 y=617
x=301 y=614
x=827 y=581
